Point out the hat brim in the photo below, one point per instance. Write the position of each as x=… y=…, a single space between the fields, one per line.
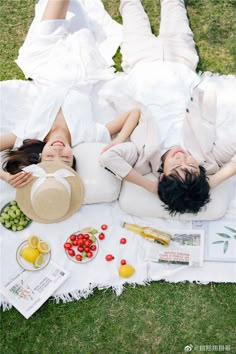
x=77 y=193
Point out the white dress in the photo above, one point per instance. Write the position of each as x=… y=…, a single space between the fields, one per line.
x=65 y=61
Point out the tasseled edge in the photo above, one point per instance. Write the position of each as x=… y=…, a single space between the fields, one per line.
x=85 y=293
x=209 y=74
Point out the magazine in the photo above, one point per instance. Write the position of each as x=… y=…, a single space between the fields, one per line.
x=27 y=291
x=186 y=247
x=220 y=240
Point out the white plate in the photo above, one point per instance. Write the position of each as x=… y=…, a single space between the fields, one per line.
x=27 y=265
x=85 y=260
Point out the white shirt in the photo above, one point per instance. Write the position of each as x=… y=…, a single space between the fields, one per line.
x=77 y=110
x=165 y=88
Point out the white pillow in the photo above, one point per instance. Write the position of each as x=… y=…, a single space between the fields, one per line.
x=100 y=185
x=138 y=201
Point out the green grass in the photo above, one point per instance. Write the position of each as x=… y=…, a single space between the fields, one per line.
x=159 y=318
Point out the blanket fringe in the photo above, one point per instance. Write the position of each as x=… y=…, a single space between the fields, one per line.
x=85 y=293
x=5 y=305
x=204 y=74
x=74 y=295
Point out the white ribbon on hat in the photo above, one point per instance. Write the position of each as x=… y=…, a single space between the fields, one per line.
x=39 y=172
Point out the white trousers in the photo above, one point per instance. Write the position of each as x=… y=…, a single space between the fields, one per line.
x=174 y=43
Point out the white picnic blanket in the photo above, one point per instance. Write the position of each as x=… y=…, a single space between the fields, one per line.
x=99 y=273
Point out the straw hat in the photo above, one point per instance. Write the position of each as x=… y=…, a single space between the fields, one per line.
x=54 y=195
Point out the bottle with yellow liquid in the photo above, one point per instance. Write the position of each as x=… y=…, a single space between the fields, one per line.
x=150 y=233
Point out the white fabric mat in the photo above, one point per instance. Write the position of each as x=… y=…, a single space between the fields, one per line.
x=100 y=273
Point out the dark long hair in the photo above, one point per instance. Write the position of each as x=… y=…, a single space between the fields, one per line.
x=28 y=153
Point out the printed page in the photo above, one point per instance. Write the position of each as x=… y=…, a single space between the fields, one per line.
x=186 y=248
x=27 y=291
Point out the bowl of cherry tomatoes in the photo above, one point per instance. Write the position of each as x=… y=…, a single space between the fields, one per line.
x=82 y=246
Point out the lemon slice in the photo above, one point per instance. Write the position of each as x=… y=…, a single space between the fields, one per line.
x=126 y=271
x=39 y=261
x=33 y=241
x=43 y=247
x=30 y=254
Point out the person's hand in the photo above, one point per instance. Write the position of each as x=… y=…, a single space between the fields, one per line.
x=116 y=141
x=18 y=180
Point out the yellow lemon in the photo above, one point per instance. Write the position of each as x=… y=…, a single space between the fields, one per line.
x=30 y=254
x=43 y=247
x=39 y=261
x=33 y=241
x=126 y=271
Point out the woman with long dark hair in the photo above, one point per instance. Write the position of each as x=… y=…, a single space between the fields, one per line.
x=65 y=65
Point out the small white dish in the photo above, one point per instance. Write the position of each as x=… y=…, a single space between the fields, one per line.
x=27 y=265
x=84 y=260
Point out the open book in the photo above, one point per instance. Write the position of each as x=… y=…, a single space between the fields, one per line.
x=186 y=247
x=27 y=291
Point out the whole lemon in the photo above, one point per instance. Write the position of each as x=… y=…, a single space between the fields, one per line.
x=30 y=254
x=126 y=271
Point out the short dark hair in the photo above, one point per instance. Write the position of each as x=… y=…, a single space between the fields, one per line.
x=14 y=160
x=187 y=195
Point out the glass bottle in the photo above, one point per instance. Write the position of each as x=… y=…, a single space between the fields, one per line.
x=149 y=233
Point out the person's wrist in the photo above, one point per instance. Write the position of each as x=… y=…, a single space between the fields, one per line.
x=3 y=175
x=120 y=138
x=152 y=186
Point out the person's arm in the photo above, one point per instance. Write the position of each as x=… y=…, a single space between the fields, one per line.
x=223 y=174
x=119 y=160
x=7 y=141
x=18 y=180
x=134 y=177
x=56 y=10
x=123 y=126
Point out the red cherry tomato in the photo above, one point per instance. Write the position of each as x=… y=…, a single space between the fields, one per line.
x=86 y=236
x=109 y=257
x=75 y=243
x=123 y=241
x=80 y=248
x=67 y=245
x=101 y=236
x=80 y=236
x=71 y=252
x=93 y=247
x=104 y=227
x=87 y=249
x=78 y=257
x=123 y=262
x=88 y=243
x=73 y=237
x=80 y=242
x=89 y=254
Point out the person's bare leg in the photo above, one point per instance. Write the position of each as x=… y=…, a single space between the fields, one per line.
x=56 y=10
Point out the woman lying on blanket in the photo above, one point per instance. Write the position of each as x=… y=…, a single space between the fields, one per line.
x=56 y=146
x=65 y=65
x=161 y=75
